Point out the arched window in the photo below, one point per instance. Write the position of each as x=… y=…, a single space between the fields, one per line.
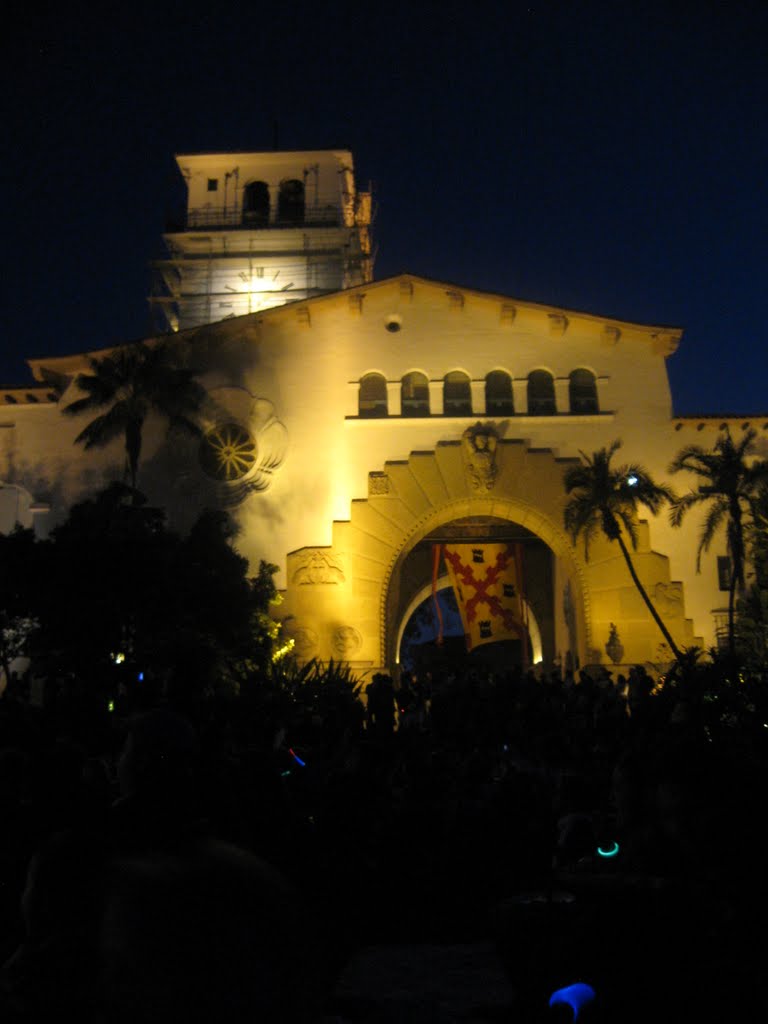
x=372 y=400
x=256 y=203
x=415 y=395
x=541 y=394
x=457 y=395
x=582 y=392
x=290 y=202
x=498 y=394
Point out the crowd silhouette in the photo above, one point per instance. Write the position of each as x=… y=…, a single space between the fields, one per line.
x=178 y=863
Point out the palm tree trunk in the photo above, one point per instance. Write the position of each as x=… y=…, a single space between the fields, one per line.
x=731 y=607
x=656 y=617
x=133 y=451
x=736 y=554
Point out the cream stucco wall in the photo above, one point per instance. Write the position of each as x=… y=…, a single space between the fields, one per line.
x=337 y=534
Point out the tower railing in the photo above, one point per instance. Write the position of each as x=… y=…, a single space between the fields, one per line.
x=310 y=215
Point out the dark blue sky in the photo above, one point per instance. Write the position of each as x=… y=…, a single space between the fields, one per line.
x=605 y=157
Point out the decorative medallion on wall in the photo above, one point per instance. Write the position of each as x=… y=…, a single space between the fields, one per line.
x=317 y=567
x=305 y=640
x=479 y=444
x=346 y=641
x=243 y=444
x=228 y=452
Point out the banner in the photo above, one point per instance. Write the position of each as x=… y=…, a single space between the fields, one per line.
x=488 y=582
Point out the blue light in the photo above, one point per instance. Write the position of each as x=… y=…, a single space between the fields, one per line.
x=575 y=996
x=296 y=758
x=141 y=677
x=633 y=480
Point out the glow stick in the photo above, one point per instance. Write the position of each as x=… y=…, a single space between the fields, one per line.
x=575 y=996
x=608 y=853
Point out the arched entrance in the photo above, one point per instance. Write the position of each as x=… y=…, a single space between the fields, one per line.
x=349 y=599
x=554 y=589
x=420 y=614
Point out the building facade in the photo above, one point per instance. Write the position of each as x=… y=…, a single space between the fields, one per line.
x=359 y=425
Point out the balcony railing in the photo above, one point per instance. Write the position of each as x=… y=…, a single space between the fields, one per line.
x=310 y=215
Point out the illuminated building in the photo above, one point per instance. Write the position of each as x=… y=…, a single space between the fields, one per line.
x=339 y=440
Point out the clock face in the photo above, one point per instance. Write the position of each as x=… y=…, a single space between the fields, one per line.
x=228 y=452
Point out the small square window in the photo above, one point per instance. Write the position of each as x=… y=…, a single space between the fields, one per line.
x=723 y=572
x=213 y=184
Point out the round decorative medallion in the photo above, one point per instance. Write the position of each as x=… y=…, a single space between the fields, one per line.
x=346 y=641
x=304 y=638
x=228 y=452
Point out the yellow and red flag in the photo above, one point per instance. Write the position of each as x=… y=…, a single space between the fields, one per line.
x=488 y=582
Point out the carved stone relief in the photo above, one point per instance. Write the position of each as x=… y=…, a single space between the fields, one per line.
x=317 y=567
x=243 y=443
x=668 y=598
x=346 y=641
x=305 y=640
x=479 y=444
x=378 y=483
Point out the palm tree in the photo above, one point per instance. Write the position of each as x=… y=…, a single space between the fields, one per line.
x=130 y=383
x=729 y=487
x=605 y=499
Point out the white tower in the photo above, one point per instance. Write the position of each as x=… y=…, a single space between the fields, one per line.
x=262 y=229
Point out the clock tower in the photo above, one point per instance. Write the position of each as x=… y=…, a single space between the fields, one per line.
x=260 y=230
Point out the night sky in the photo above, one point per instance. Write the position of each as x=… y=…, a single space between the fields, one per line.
x=610 y=157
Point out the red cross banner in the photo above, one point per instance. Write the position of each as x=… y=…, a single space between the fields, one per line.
x=487 y=580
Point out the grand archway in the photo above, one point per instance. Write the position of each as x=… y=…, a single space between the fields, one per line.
x=347 y=600
x=558 y=628
x=424 y=586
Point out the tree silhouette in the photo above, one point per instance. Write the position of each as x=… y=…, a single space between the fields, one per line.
x=730 y=484
x=605 y=499
x=130 y=384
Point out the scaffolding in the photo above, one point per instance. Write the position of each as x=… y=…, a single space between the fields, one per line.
x=230 y=260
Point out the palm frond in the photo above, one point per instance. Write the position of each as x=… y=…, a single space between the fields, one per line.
x=100 y=431
x=712 y=523
x=692 y=458
x=136 y=380
x=683 y=503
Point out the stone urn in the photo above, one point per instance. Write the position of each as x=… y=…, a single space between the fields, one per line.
x=614 y=648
